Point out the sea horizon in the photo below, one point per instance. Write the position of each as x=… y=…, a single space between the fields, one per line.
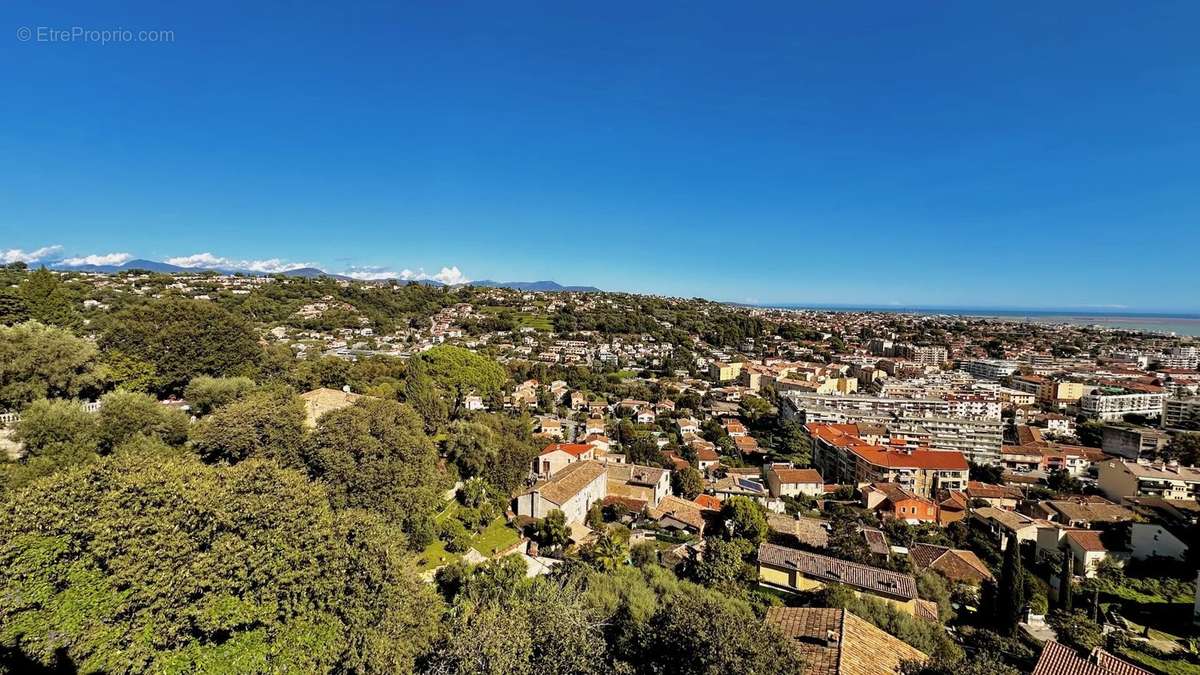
x=1178 y=323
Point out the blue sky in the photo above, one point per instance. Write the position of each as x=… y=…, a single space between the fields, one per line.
x=1035 y=155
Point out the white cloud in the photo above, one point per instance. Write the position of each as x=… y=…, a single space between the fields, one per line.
x=271 y=266
x=197 y=260
x=451 y=275
x=268 y=266
x=447 y=275
x=13 y=255
x=100 y=259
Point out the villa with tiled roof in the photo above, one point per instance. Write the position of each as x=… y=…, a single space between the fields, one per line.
x=794 y=570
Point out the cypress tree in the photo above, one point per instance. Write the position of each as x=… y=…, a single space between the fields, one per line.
x=1064 y=581
x=1011 y=601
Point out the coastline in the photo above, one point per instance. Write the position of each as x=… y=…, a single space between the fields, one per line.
x=1181 y=323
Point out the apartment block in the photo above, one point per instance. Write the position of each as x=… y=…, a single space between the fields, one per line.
x=843 y=457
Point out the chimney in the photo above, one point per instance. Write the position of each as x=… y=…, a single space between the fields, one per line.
x=832 y=638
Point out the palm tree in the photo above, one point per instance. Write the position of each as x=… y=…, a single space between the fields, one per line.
x=607 y=554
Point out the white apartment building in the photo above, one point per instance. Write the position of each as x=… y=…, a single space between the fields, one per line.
x=799 y=402
x=988 y=369
x=974 y=406
x=1111 y=404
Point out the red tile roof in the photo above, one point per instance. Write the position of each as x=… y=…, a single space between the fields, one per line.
x=576 y=449
x=791 y=476
x=1058 y=659
x=1088 y=540
x=846 y=436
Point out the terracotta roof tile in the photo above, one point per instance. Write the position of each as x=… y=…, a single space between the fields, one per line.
x=835 y=570
x=836 y=642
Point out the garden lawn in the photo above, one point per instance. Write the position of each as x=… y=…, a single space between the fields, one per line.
x=496 y=536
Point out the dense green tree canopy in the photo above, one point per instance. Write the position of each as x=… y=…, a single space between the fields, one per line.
x=47 y=300
x=702 y=632
x=265 y=424
x=38 y=361
x=205 y=394
x=183 y=339
x=687 y=483
x=747 y=517
x=125 y=414
x=460 y=372
x=142 y=563
x=55 y=434
x=374 y=455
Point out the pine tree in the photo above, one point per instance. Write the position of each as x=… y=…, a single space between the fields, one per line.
x=48 y=301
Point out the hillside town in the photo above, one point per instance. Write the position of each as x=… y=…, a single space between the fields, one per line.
x=881 y=490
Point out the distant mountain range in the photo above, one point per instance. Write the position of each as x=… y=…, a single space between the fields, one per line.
x=534 y=286
x=308 y=273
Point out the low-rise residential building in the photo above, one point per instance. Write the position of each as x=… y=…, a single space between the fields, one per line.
x=572 y=490
x=1157 y=540
x=808 y=532
x=1058 y=659
x=1004 y=525
x=740 y=485
x=633 y=481
x=594 y=425
x=893 y=501
x=1085 y=513
x=785 y=481
x=794 y=570
x=957 y=565
x=1087 y=549
x=723 y=372
x=550 y=426
x=319 y=402
x=676 y=513
x=1164 y=529
x=556 y=456
x=1121 y=478
x=999 y=496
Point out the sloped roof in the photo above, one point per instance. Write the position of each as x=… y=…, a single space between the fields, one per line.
x=325 y=400
x=954 y=564
x=689 y=513
x=575 y=449
x=1088 y=540
x=876 y=540
x=636 y=473
x=1058 y=659
x=835 y=570
x=836 y=642
x=1090 y=512
x=807 y=531
x=569 y=481
x=978 y=490
x=791 y=476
